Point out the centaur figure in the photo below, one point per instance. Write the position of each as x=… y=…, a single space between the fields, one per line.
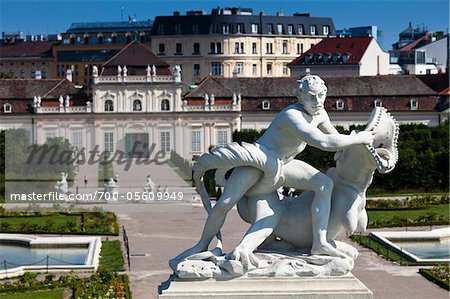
x=261 y=168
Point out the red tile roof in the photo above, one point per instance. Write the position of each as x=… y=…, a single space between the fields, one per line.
x=27 y=49
x=334 y=51
x=415 y=44
x=29 y=88
x=136 y=57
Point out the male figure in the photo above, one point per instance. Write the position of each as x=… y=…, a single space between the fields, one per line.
x=292 y=129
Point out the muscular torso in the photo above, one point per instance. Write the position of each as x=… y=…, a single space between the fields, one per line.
x=282 y=138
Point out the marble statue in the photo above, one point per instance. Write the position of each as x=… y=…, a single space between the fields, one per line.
x=150 y=185
x=95 y=71
x=62 y=186
x=111 y=186
x=291 y=235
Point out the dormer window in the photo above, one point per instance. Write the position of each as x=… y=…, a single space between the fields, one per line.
x=336 y=57
x=377 y=103
x=308 y=58
x=265 y=105
x=7 y=108
x=345 y=57
x=414 y=104
x=313 y=29
x=340 y=104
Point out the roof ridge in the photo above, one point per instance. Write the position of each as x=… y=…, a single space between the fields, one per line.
x=199 y=85
x=119 y=52
x=54 y=87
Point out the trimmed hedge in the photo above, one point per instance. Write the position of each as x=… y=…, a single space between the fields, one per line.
x=438 y=275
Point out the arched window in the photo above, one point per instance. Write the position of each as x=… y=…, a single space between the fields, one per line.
x=109 y=106
x=165 y=105
x=137 y=106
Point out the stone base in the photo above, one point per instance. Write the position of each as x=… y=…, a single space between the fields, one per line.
x=342 y=287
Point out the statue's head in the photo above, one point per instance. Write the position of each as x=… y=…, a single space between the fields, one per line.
x=312 y=93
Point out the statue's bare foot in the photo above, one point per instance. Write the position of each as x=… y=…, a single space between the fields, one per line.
x=245 y=256
x=327 y=249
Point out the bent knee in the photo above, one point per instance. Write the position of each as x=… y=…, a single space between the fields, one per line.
x=324 y=184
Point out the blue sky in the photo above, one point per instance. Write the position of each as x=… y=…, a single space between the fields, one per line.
x=391 y=16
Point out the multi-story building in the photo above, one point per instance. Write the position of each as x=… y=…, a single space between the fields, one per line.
x=86 y=45
x=233 y=42
x=342 y=56
x=420 y=52
x=20 y=58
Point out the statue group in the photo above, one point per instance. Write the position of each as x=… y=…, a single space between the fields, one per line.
x=291 y=235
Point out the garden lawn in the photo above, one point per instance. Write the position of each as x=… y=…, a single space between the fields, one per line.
x=52 y=294
x=111 y=258
x=383 y=215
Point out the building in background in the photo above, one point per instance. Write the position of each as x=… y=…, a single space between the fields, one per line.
x=364 y=31
x=342 y=56
x=419 y=52
x=26 y=58
x=86 y=45
x=233 y=42
x=350 y=99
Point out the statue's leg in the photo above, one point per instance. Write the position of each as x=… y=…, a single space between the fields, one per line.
x=300 y=175
x=268 y=210
x=239 y=182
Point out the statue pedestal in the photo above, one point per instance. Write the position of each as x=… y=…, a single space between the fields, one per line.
x=345 y=287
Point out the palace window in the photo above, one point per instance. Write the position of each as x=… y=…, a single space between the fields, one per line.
x=165 y=105
x=77 y=140
x=299 y=48
x=300 y=30
x=137 y=105
x=109 y=106
x=326 y=30
x=254 y=69
x=222 y=138
x=165 y=141
x=340 y=104
x=196 y=141
x=265 y=105
x=215 y=28
x=312 y=29
x=109 y=141
x=50 y=135
x=269 y=28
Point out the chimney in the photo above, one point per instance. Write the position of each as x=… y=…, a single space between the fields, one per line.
x=176 y=13
x=69 y=75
